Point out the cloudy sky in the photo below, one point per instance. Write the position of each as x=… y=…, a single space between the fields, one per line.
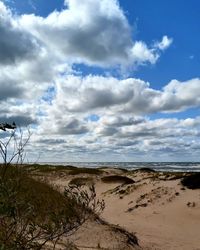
x=102 y=80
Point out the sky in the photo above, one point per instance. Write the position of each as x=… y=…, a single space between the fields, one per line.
x=102 y=80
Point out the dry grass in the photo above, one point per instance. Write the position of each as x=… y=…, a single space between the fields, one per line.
x=81 y=181
x=46 y=168
x=30 y=209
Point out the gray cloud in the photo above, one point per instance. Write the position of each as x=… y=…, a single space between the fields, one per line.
x=15 y=44
x=51 y=141
x=72 y=127
x=131 y=96
x=93 y=98
x=108 y=131
x=8 y=89
x=121 y=121
x=21 y=121
x=101 y=37
x=38 y=53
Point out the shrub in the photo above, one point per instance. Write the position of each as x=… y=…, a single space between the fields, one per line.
x=32 y=213
x=117 y=178
x=93 y=171
x=45 y=168
x=192 y=181
x=148 y=170
x=81 y=181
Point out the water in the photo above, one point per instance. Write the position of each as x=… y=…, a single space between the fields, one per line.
x=159 y=166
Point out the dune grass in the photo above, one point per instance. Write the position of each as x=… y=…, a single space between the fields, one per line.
x=117 y=179
x=45 y=168
x=192 y=181
x=117 y=168
x=81 y=181
x=92 y=171
x=33 y=213
x=146 y=170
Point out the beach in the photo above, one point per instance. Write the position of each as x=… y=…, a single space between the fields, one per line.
x=154 y=206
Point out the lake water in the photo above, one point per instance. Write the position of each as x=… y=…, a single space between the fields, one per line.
x=160 y=166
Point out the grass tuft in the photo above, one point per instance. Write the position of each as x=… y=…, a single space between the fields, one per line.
x=45 y=168
x=117 y=179
x=81 y=181
x=92 y=171
x=192 y=181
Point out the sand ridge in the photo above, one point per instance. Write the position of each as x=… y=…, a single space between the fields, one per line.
x=162 y=213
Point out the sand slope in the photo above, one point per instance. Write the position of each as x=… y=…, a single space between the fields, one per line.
x=162 y=214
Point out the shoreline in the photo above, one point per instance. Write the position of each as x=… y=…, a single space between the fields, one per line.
x=157 y=166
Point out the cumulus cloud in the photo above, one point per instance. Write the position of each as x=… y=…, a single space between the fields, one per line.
x=165 y=43
x=15 y=43
x=85 y=94
x=83 y=35
x=20 y=120
x=35 y=50
x=122 y=126
x=38 y=86
x=158 y=138
x=9 y=90
x=102 y=37
x=141 y=54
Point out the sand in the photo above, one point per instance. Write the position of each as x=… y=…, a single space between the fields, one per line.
x=156 y=208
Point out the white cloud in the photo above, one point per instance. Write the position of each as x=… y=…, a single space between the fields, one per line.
x=158 y=138
x=101 y=37
x=165 y=43
x=34 y=50
x=141 y=54
x=104 y=94
x=15 y=43
x=37 y=55
x=122 y=127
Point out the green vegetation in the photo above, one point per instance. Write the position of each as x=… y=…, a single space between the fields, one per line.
x=146 y=170
x=45 y=168
x=32 y=213
x=192 y=181
x=107 y=168
x=92 y=171
x=117 y=179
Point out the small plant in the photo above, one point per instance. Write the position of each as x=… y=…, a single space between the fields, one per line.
x=81 y=181
x=92 y=171
x=32 y=213
x=86 y=199
x=117 y=178
x=12 y=146
x=192 y=181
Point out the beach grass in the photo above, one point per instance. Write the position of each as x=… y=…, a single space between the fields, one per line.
x=80 y=181
x=117 y=179
x=32 y=211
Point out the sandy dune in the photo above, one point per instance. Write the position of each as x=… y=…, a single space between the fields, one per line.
x=156 y=208
x=162 y=214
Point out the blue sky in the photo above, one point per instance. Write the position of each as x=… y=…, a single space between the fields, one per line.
x=128 y=72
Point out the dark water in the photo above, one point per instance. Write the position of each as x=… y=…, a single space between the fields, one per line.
x=160 y=166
